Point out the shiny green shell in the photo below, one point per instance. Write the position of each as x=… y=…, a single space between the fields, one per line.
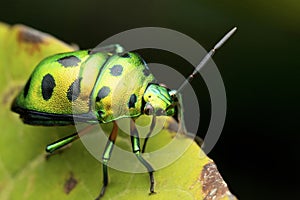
x=90 y=87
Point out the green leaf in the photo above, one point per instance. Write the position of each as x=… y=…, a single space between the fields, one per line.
x=25 y=173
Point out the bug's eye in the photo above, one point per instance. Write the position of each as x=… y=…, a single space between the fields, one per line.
x=172 y=93
x=148 y=110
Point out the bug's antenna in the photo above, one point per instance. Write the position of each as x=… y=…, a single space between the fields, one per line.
x=206 y=58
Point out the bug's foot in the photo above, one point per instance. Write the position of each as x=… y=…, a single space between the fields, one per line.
x=101 y=193
x=49 y=155
x=152 y=193
x=151 y=183
x=99 y=197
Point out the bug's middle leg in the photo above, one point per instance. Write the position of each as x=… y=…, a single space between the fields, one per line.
x=135 y=141
x=106 y=157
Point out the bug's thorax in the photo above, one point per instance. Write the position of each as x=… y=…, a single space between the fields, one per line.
x=119 y=89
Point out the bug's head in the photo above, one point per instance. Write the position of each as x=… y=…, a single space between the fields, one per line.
x=159 y=100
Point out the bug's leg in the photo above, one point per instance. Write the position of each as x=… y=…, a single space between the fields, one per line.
x=106 y=156
x=150 y=132
x=135 y=141
x=63 y=142
x=113 y=48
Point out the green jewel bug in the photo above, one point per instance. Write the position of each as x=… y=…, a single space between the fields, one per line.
x=86 y=80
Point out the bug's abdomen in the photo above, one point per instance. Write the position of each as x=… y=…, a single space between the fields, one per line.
x=120 y=86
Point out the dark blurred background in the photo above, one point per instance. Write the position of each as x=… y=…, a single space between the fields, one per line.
x=256 y=154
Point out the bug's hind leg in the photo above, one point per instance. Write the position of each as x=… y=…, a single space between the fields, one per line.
x=135 y=141
x=106 y=156
x=64 y=142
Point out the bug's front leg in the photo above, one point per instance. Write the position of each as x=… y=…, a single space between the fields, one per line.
x=149 y=134
x=135 y=141
x=106 y=156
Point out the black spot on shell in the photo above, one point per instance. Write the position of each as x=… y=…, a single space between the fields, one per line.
x=69 y=61
x=132 y=101
x=26 y=88
x=103 y=92
x=48 y=85
x=74 y=90
x=125 y=55
x=116 y=70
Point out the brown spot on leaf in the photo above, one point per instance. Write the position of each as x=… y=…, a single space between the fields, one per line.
x=31 y=38
x=70 y=184
x=28 y=35
x=213 y=185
